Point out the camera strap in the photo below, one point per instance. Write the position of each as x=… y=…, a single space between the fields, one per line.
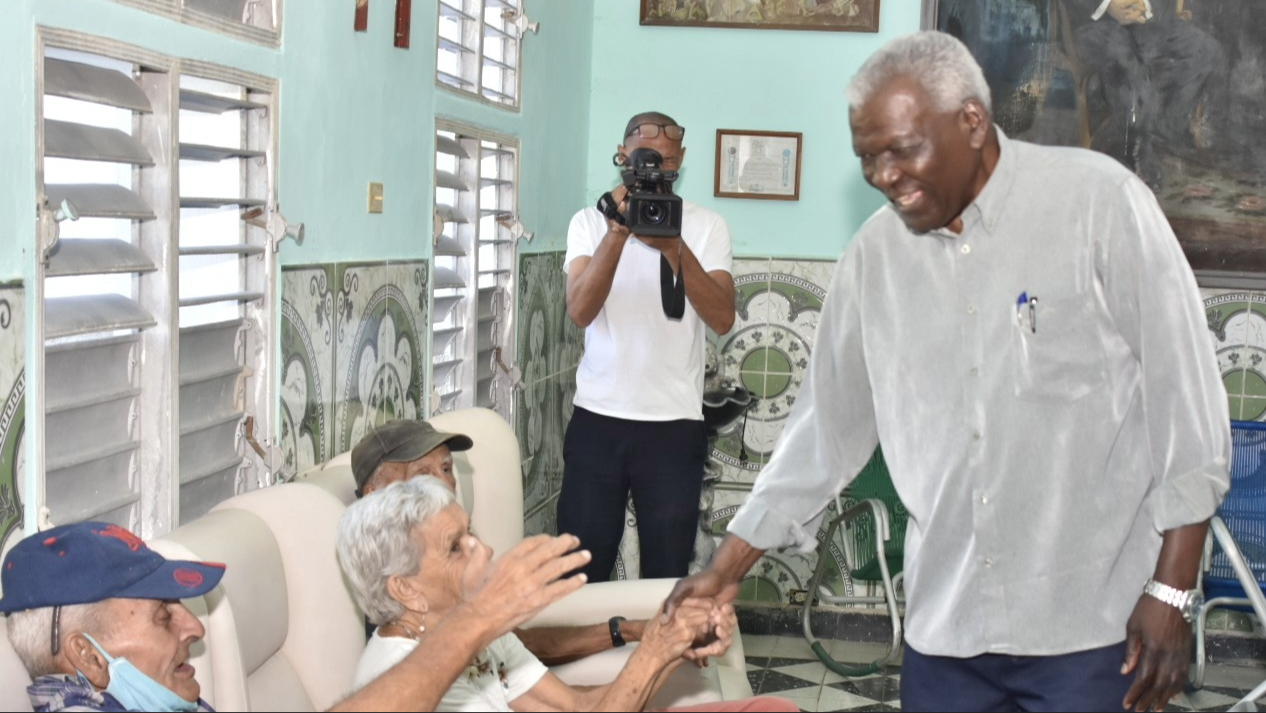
x=672 y=288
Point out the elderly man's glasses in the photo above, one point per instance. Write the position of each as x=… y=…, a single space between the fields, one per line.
x=650 y=131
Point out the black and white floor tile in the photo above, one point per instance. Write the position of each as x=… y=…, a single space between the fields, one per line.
x=786 y=667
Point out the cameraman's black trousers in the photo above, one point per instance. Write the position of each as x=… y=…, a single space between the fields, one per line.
x=659 y=462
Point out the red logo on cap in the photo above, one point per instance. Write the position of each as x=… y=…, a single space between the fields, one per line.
x=187 y=578
x=132 y=541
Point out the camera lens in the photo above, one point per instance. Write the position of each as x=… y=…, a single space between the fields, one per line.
x=652 y=213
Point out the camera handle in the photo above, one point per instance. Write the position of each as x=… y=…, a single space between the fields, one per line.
x=609 y=208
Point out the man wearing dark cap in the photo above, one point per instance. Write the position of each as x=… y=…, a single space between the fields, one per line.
x=96 y=618
x=400 y=450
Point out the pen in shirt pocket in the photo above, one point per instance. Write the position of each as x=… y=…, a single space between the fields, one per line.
x=1020 y=303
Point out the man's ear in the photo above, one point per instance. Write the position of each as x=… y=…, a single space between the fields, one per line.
x=977 y=121
x=83 y=657
x=621 y=155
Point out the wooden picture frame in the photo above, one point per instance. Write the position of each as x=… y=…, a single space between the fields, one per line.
x=828 y=15
x=764 y=165
x=1209 y=176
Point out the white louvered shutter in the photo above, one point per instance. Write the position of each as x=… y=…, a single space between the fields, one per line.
x=475 y=191
x=104 y=291
x=224 y=135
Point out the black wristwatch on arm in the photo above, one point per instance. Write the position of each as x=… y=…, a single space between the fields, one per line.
x=617 y=639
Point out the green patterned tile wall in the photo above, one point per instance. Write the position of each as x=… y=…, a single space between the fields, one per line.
x=353 y=351
x=12 y=412
x=549 y=347
x=1237 y=332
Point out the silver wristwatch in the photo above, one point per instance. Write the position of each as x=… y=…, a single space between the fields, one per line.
x=1186 y=601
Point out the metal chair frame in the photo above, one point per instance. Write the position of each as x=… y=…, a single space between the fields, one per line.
x=879 y=511
x=1253 y=597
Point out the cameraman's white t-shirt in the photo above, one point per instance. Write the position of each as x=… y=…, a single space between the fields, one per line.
x=639 y=364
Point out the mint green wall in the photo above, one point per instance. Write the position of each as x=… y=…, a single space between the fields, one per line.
x=353 y=109
x=771 y=80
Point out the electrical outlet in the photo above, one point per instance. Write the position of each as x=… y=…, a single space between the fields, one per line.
x=375 y=197
x=798 y=596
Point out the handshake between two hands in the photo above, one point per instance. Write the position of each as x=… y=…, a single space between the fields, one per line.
x=530 y=576
x=695 y=629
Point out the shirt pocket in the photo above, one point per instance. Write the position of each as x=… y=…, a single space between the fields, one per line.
x=1056 y=352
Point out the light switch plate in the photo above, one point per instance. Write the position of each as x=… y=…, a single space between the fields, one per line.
x=375 y=197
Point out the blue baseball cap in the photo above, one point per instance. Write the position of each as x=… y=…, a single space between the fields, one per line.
x=91 y=561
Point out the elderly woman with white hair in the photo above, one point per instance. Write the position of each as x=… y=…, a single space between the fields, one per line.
x=408 y=554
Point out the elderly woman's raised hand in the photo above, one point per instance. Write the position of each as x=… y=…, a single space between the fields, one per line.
x=524 y=580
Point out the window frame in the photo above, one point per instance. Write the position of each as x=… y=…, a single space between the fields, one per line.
x=176 y=10
x=477 y=94
x=157 y=458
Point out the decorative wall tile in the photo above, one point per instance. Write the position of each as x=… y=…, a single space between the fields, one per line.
x=549 y=348
x=353 y=343
x=779 y=302
x=307 y=363
x=1237 y=331
x=380 y=359
x=12 y=412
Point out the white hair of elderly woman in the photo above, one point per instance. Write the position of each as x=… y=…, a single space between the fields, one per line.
x=375 y=540
x=31 y=633
x=940 y=62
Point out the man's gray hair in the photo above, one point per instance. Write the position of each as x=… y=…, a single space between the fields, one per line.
x=942 y=64
x=375 y=540
x=31 y=633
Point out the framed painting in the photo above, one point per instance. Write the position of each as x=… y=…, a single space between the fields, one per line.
x=757 y=164
x=1173 y=89
x=835 y=15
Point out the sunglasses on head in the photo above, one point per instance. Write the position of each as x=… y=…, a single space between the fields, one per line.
x=650 y=131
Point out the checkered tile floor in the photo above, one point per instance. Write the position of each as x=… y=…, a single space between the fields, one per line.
x=785 y=666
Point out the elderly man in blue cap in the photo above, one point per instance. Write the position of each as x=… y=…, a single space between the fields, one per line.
x=96 y=617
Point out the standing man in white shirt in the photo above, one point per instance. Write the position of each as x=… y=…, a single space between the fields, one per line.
x=1019 y=327
x=644 y=303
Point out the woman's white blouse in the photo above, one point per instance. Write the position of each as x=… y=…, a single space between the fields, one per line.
x=501 y=673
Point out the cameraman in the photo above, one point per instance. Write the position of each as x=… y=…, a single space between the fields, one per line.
x=638 y=421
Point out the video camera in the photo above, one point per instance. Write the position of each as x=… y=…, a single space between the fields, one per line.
x=654 y=211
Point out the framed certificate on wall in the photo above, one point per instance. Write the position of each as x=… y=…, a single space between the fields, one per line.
x=758 y=164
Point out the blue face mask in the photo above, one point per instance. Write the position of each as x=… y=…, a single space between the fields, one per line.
x=137 y=691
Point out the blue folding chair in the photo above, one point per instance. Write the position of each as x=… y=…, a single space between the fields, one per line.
x=1234 y=567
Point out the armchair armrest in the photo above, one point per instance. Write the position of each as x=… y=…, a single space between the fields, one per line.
x=595 y=603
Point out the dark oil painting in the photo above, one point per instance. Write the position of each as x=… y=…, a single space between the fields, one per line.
x=838 y=15
x=1174 y=89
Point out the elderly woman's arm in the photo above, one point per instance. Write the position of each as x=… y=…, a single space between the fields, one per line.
x=555 y=645
x=517 y=587
x=660 y=650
